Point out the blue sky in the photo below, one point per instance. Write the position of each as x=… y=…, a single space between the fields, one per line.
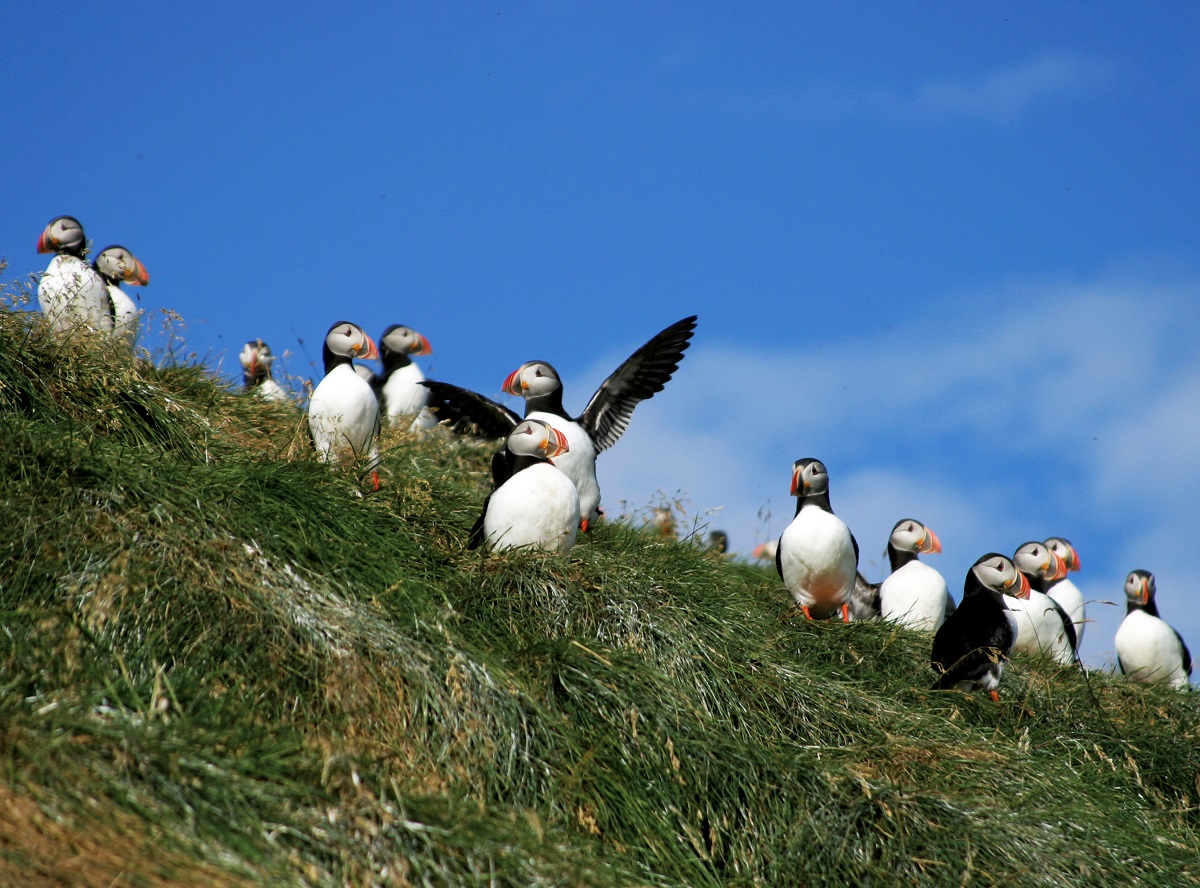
x=951 y=249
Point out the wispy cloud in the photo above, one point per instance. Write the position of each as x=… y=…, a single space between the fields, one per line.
x=1001 y=96
x=1066 y=415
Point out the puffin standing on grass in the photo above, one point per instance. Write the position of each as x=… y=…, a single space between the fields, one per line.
x=71 y=293
x=913 y=594
x=399 y=386
x=1065 y=592
x=343 y=413
x=970 y=648
x=256 y=360
x=1043 y=627
x=115 y=265
x=532 y=502
x=604 y=419
x=1149 y=651
x=817 y=556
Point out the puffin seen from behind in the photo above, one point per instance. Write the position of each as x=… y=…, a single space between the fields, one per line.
x=532 y=502
x=817 y=555
x=1043 y=627
x=1065 y=592
x=256 y=360
x=970 y=648
x=71 y=293
x=343 y=414
x=399 y=386
x=913 y=594
x=115 y=265
x=1149 y=650
x=604 y=419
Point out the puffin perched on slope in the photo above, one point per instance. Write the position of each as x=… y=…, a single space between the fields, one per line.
x=71 y=293
x=115 y=265
x=256 y=360
x=1065 y=592
x=604 y=419
x=399 y=386
x=913 y=594
x=343 y=414
x=970 y=648
x=532 y=502
x=817 y=556
x=1043 y=627
x=1149 y=651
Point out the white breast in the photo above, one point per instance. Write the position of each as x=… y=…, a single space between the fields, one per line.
x=1149 y=650
x=343 y=415
x=817 y=557
x=578 y=464
x=401 y=393
x=538 y=507
x=914 y=596
x=1040 y=628
x=125 y=314
x=270 y=390
x=1068 y=595
x=72 y=294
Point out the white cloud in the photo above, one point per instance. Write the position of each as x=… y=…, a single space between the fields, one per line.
x=986 y=433
x=1000 y=96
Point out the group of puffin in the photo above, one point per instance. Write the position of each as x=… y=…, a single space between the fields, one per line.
x=545 y=489
x=1023 y=603
x=73 y=293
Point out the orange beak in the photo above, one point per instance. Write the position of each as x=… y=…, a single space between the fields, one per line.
x=1144 y=595
x=560 y=444
x=931 y=543
x=510 y=383
x=1075 y=562
x=424 y=348
x=1060 y=568
x=795 y=491
x=372 y=351
x=138 y=274
x=1023 y=589
x=44 y=243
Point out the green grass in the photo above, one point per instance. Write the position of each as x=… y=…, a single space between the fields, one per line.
x=222 y=663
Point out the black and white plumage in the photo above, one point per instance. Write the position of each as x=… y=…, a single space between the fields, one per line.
x=256 y=360
x=343 y=413
x=1043 y=627
x=1149 y=651
x=817 y=556
x=970 y=648
x=532 y=502
x=1066 y=593
x=604 y=419
x=913 y=594
x=71 y=293
x=399 y=385
x=116 y=265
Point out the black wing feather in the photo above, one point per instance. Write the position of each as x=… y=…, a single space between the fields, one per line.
x=643 y=373
x=1187 y=655
x=461 y=407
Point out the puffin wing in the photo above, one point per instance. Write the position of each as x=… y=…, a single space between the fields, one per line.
x=1183 y=649
x=462 y=407
x=1069 y=628
x=643 y=373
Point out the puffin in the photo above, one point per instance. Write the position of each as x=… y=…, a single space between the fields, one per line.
x=970 y=648
x=1149 y=651
x=532 y=502
x=1043 y=627
x=603 y=421
x=71 y=293
x=115 y=265
x=399 y=386
x=817 y=555
x=913 y=594
x=1065 y=592
x=343 y=414
x=256 y=360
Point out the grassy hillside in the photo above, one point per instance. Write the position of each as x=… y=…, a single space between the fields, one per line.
x=222 y=664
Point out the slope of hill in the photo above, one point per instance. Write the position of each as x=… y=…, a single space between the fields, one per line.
x=222 y=663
